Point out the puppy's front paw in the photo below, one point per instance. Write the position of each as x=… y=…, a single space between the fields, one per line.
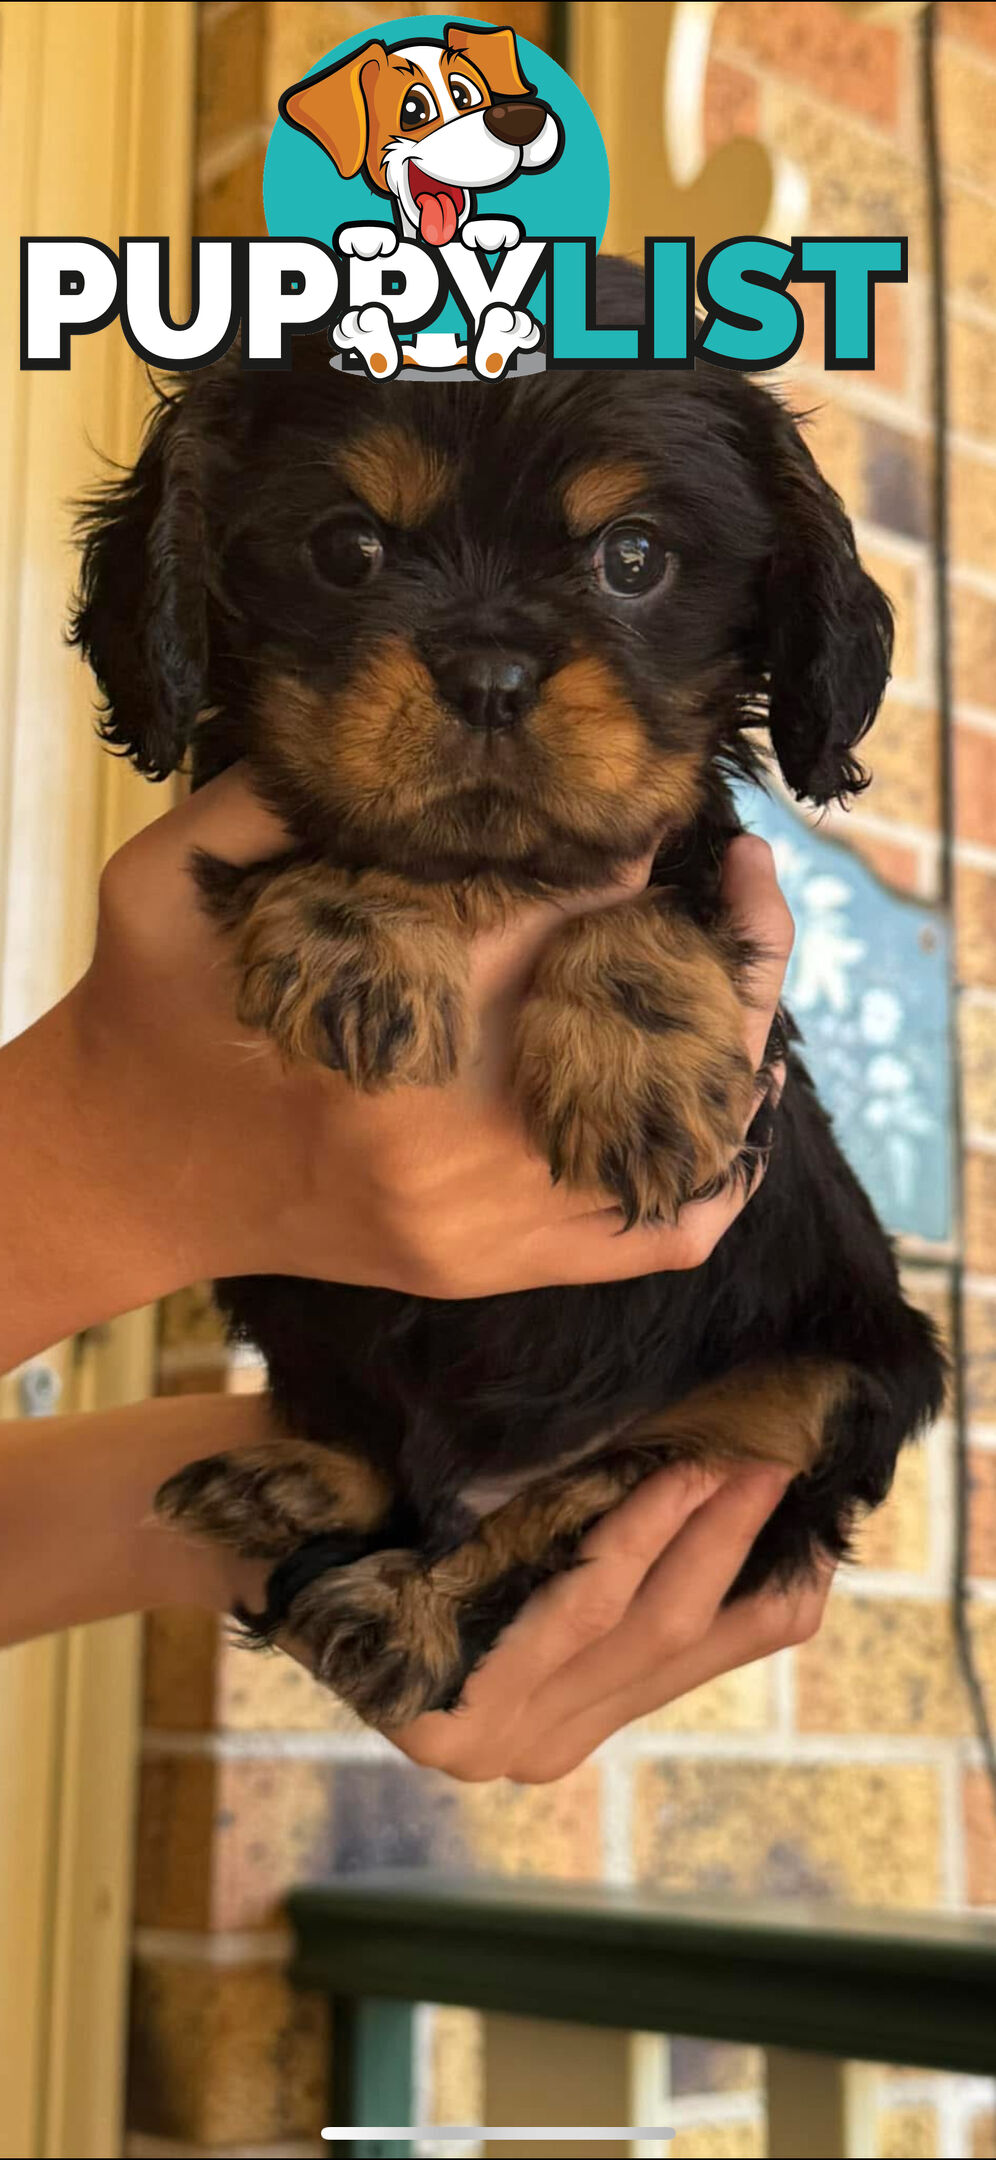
x=367 y=241
x=349 y=973
x=630 y=1065
x=490 y=234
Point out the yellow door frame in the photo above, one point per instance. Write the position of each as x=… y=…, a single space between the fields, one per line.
x=96 y=119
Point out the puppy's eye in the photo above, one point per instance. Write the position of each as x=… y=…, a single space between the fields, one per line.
x=465 y=94
x=418 y=108
x=346 y=550
x=631 y=560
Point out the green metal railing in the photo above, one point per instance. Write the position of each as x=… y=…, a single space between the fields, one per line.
x=818 y=1990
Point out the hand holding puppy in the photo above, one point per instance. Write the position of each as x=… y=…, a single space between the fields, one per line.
x=181 y=1146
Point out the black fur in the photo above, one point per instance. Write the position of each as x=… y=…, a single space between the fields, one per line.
x=197 y=584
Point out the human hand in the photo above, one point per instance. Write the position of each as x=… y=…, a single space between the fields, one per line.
x=640 y=1624
x=291 y=1170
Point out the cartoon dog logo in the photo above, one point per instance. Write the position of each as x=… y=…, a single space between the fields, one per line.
x=431 y=126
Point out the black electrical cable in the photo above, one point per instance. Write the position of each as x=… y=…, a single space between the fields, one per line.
x=960 y=1592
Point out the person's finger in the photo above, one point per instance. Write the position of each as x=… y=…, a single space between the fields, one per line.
x=740 y=1634
x=147 y=890
x=674 y=1605
x=759 y=911
x=598 y=1249
x=558 y=1619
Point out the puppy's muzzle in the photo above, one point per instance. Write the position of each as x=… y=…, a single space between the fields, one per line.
x=489 y=689
x=515 y=124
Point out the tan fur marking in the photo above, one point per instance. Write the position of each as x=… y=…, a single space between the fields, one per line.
x=492 y=54
x=389 y=1676
x=630 y=1052
x=367 y=952
x=385 y=755
x=765 y=1413
x=601 y=492
x=601 y=760
x=403 y=480
x=385 y=1632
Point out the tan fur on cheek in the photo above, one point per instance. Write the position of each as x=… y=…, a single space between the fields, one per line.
x=402 y=479
x=368 y=749
x=600 y=755
x=591 y=498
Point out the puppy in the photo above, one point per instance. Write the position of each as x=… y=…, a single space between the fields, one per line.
x=478 y=643
x=430 y=125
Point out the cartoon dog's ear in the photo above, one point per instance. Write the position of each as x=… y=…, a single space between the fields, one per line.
x=495 y=55
x=827 y=626
x=141 y=611
x=333 y=107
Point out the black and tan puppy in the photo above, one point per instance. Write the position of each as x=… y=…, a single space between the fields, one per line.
x=475 y=642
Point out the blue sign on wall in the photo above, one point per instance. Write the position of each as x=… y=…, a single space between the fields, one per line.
x=869 y=985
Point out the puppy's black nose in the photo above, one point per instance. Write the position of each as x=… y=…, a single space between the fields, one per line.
x=488 y=688
x=515 y=124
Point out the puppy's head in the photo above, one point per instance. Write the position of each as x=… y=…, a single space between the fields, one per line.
x=471 y=626
x=428 y=123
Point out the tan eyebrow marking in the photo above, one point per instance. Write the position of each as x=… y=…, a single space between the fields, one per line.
x=599 y=493
x=402 y=479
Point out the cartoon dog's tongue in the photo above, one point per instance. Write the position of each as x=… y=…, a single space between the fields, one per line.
x=438 y=206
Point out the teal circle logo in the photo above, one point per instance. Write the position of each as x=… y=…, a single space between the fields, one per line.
x=464 y=97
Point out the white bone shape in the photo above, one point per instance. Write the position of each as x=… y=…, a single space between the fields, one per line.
x=491 y=233
x=367 y=241
x=370 y=332
x=501 y=332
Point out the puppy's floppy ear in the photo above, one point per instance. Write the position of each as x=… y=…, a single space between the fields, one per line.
x=141 y=612
x=333 y=107
x=495 y=55
x=827 y=625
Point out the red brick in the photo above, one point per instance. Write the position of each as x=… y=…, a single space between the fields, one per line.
x=897 y=865
x=975 y=784
x=892 y=338
x=732 y=105
x=974 y=20
x=852 y=63
x=982 y=1512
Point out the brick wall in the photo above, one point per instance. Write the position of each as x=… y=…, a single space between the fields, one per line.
x=844 y=1770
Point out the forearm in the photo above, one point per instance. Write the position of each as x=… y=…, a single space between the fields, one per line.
x=78 y=1537
x=94 y=1220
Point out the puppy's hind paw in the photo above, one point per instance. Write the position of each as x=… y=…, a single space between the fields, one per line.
x=370 y=332
x=501 y=333
x=378 y=1632
x=264 y=1501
